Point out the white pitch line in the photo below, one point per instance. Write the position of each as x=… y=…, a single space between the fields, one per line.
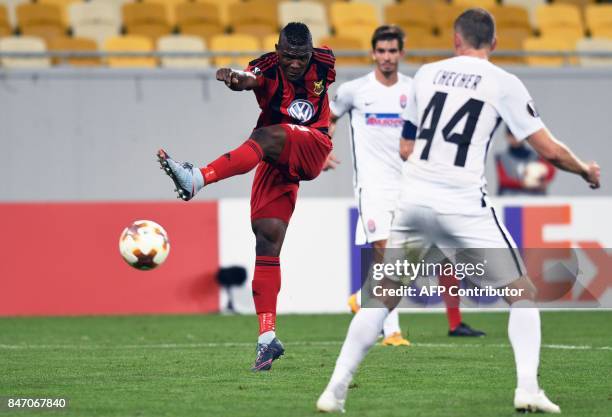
x=297 y=343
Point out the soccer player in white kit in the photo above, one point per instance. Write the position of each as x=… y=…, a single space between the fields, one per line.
x=375 y=103
x=457 y=103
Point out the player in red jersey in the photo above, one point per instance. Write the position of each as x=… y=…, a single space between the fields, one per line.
x=289 y=144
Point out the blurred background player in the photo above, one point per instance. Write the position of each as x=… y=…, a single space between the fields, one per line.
x=374 y=103
x=289 y=144
x=521 y=171
x=443 y=194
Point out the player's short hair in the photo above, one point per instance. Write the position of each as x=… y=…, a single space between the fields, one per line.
x=477 y=27
x=388 y=33
x=296 y=34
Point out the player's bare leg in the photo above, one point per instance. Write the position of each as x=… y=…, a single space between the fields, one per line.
x=269 y=237
x=266 y=142
x=525 y=336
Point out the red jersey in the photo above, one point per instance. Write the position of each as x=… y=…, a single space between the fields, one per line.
x=302 y=102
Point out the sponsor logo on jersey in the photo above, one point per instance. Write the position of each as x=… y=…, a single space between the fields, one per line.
x=301 y=110
x=531 y=109
x=256 y=71
x=317 y=87
x=371 y=226
x=384 y=119
x=403 y=101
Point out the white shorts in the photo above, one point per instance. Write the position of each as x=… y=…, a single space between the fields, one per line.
x=376 y=209
x=460 y=238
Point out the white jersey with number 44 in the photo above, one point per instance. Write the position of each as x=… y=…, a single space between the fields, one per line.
x=457 y=104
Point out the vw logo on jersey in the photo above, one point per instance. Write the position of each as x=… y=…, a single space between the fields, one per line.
x=301 y=110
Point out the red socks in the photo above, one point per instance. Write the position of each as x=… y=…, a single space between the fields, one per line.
x=239 y=161
x=452 y=302
x=266 y=285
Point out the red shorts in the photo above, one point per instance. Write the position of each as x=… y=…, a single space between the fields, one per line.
x=275 y=185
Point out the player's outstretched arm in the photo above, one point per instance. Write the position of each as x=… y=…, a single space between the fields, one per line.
x=237 y=80
x=558 y=154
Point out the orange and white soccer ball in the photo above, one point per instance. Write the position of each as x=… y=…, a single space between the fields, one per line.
x=144 y=245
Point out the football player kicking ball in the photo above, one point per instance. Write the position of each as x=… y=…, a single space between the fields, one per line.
x=375 y=102
x=443 y=198
x=289 y=144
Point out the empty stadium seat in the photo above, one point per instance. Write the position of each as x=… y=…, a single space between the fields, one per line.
x=40 y=20
x=130 y=43
x=268 y=43
x=430 y=42
x=223 y=6
x=594 y=45
x=255 y=18
x=444 y=16
x=339 y=44
x=506 y=43
x=353 y=19
x=379 y=5
x=485 y=4
x=68 y=44
x=414 y=18
x=182 y=43
x=199 y=19
x=599 y=20
x=170 y=6
x=512 y=20
x=551 y=44
x=11 y=8
x=145 y=19
x=560 y=20
x=236 y=43
x=529 y=5
x=23 y=44
x=5 y=24
x=311 y=13
x=63 y=6
x=95 y=20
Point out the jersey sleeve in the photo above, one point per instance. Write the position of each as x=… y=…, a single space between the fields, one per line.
x=261 y=66
x=343 y=100
x=517 y=109
x=410 y=113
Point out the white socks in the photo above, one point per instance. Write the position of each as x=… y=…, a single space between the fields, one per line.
x=392 y=323
x=362 y=334
x=266 y=337
x=525 y=336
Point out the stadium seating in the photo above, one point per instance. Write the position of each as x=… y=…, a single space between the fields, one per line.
x=170 y=6
x=512 y=21
x=145 y=19
x=414 y=18
x=591 y=45
x=223 y=6
x=182 y=43
x=529 y=5
x=65 y=43
x=486 y=4
x=353 y=19
x=269 y=42
x=199 y=19
x=23 y=44
x=95 y=20
x=379 y=5
x=599 y=20
x=255 y=18
x=551 y=44
x=442 y=43
x=311 y=13
x=41 y=20
x=339 y=44
x=508 y=42
x=63 y=6
x=5 y=24
x=11 y=8
x=130 y=43
x=236 y=43
x=444 y=16
x=560 y=20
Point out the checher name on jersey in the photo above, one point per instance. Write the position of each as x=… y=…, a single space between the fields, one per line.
x=457 y=79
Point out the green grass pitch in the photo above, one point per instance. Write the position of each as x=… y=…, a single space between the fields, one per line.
x=199 y=366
